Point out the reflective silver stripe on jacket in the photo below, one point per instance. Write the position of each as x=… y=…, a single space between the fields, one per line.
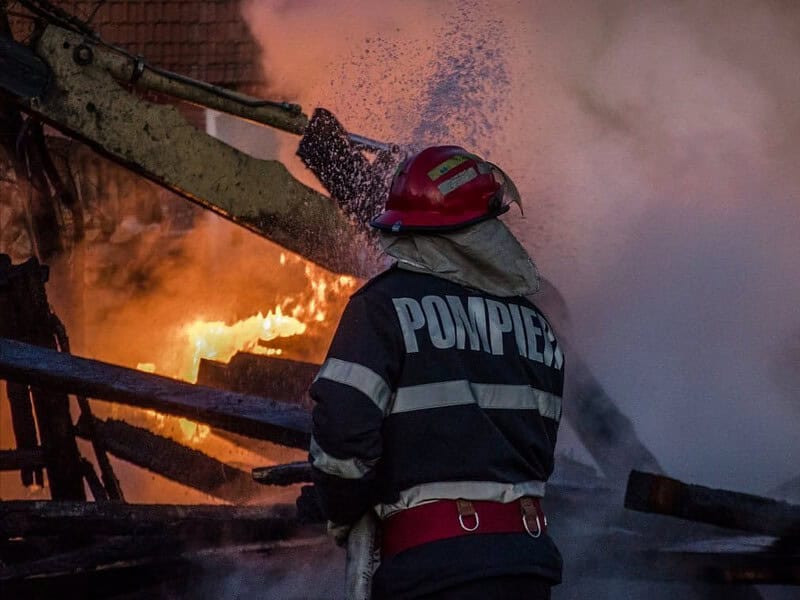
x=346 y=468
x=470 y=490
x=485 y=395
x=362 y=378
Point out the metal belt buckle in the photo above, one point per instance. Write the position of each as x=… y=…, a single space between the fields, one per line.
x=464 y=527
x=466 y=508
x=538 y=526
x=530 y=509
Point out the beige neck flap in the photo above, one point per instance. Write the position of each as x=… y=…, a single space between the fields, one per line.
x=485 y=256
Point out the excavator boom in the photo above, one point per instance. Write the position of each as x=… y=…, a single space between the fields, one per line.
x=86 y=90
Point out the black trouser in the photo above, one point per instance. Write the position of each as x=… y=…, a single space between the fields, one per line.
x=507 y=587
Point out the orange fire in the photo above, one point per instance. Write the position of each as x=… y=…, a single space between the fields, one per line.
x=219 y=341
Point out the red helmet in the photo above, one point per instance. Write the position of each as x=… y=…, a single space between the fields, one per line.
x=444 y=188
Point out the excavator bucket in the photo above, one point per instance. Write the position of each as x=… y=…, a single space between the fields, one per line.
x=337 y=158
x=328 y=152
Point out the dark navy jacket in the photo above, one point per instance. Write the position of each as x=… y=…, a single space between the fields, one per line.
x=434 y=390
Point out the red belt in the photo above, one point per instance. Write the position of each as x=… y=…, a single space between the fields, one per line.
x=444 y=519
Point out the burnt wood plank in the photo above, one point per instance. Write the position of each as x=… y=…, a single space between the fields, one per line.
x=113 y=489
x=253 y=416
x=109 y=478
x=172 y=460
x=23 y=425
x=119 y=564
x=746 y=512
x=27 y=317
x=20 y=459
x=282 y=379
x=201 y=523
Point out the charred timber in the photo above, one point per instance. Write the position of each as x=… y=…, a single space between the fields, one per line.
x=25 y=315
x=278 y=453
x=745 y=512
x=111 y=484
x=117 y=567
x=172 y=460
x=141 y=567
x=23 y=425
x=21 y=459
x=118 y=551
x=200 y=523
x=256 y=417
x=280 y=379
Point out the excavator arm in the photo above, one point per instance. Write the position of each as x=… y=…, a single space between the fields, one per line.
x=88 y=90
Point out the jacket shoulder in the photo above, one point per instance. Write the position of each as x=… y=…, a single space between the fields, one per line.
x=385 y=282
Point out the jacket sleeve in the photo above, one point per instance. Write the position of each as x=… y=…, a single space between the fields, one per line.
x=352 y=392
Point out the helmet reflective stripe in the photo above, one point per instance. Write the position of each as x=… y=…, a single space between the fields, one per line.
x=457 y=181
x=446 y=166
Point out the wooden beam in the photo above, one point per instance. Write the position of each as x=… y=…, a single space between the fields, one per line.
x=27 y=316
x=21 y=459
x=115 y=565
x=99 y=493
x=111 y=484
x=113 y=550
x=253 y=416
x=282 y=379
x=201 y=523
x=172 y=460
x=23 y=425
x=601 y=426
x=662 y=495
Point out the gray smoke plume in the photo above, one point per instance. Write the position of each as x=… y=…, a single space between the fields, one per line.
x=656 y=147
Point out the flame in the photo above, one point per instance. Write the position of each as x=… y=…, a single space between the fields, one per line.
x=217 y=340
x=310 y=309
x=193 y=432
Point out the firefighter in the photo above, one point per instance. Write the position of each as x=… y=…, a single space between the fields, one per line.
x=440 y=398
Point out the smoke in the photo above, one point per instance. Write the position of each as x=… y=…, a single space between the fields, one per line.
x=655 y=145
x=307 y=570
